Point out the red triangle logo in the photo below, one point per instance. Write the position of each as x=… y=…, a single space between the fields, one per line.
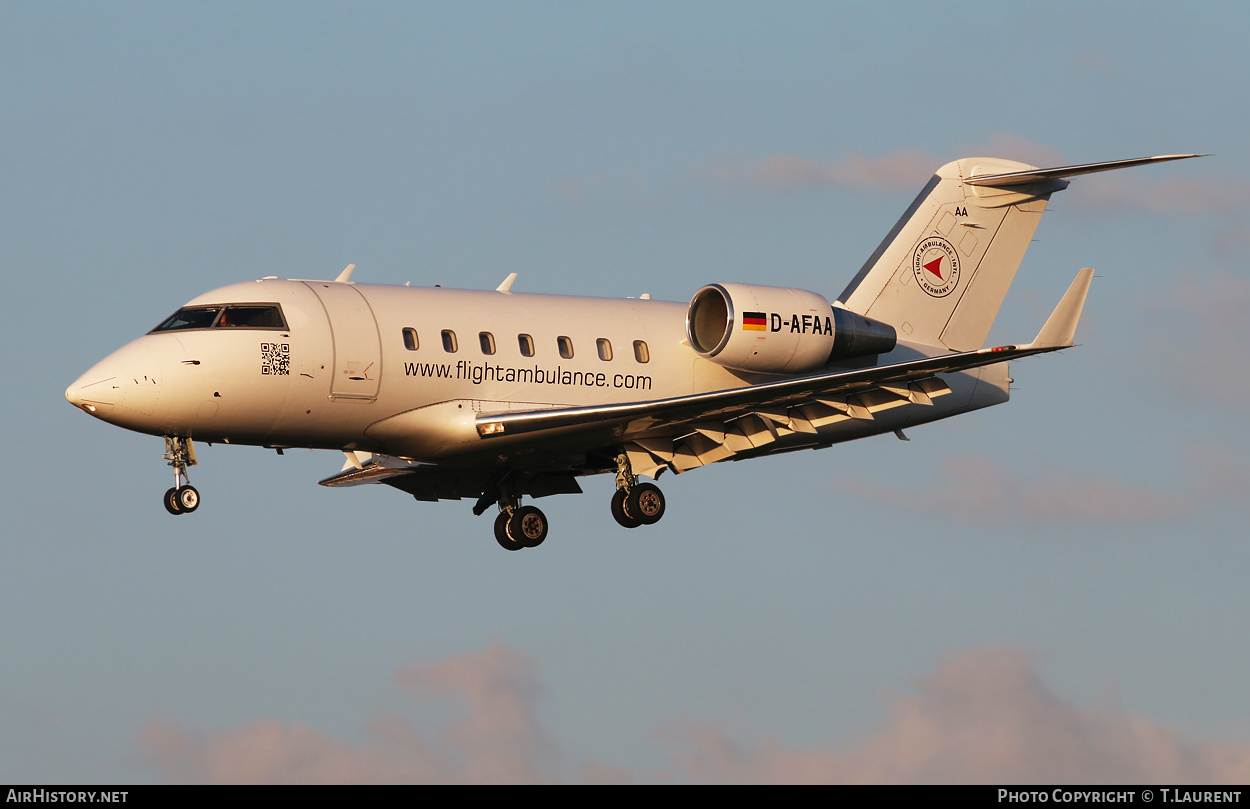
x=935 y=267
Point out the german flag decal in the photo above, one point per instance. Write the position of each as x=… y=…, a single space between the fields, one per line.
x=754 y=321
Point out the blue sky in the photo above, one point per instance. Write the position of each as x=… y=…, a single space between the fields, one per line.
x=1051 y=590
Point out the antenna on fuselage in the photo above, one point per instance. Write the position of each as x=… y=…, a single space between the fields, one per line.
x=345 y=274
x=507 y=284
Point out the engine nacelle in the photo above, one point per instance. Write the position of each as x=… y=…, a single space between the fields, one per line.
x=778 y=330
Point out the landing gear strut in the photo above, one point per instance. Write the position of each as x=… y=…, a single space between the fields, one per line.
x=183 y=498
x=634 y=503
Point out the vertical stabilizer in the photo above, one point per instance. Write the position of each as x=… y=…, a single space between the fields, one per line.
x=941 y=274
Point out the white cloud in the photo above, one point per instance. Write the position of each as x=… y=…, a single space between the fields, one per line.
x=984 y=716
x=904 y=170
x=497 y=741
x=907 y=170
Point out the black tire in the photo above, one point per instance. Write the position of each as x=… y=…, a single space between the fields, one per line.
x=501 y=533
x=618 y=511
x=645 y=503
x=171 y=502
x=529 y=526
x=188 y=498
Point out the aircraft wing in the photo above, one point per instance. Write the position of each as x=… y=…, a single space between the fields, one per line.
x=367 y=467
x=796 y=404
x=640 y=417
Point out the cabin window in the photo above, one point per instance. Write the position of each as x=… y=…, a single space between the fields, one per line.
x=566 y=347
x=410 y=339
x=488 y=342
x=605 y=349
x=449 y=341
x=527 y=345
x=640 y=351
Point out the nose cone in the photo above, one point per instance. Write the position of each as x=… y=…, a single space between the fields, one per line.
x=95 y=389
x=123 y=388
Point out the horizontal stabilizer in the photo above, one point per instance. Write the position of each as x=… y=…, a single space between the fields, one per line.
x=1034 y=175
x=1061 y=325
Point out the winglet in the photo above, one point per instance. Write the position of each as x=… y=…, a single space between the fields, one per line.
x=1061 y=325
x=345 y=274
x=506 y=286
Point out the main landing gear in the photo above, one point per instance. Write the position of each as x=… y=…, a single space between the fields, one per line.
x=634 y=503
x=518 y=526
x=183 y=498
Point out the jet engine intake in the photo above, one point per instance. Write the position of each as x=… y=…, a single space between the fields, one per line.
x=778 y=330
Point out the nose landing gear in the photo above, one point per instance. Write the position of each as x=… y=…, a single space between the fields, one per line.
x=183 y=498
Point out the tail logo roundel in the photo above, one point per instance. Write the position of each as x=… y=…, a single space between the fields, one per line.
x=936 y=266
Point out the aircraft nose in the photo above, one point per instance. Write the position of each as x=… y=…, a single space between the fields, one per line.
x=93 y=390
x=74 y=394
x=124 y=384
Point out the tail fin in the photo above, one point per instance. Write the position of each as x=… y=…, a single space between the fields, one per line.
x=941 y=274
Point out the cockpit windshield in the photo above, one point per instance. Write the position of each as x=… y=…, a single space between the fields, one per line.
x=228 y=316
x=250 y=317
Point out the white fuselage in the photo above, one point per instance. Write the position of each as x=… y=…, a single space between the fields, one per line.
x=404 y=371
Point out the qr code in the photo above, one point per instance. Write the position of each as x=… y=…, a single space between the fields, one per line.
x=275 y=359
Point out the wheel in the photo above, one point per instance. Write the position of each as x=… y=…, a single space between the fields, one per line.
x=501 y=533
x=529 y=526
x=188 y=499
x=171 y=502
x=618 y=510
x=645 y=503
